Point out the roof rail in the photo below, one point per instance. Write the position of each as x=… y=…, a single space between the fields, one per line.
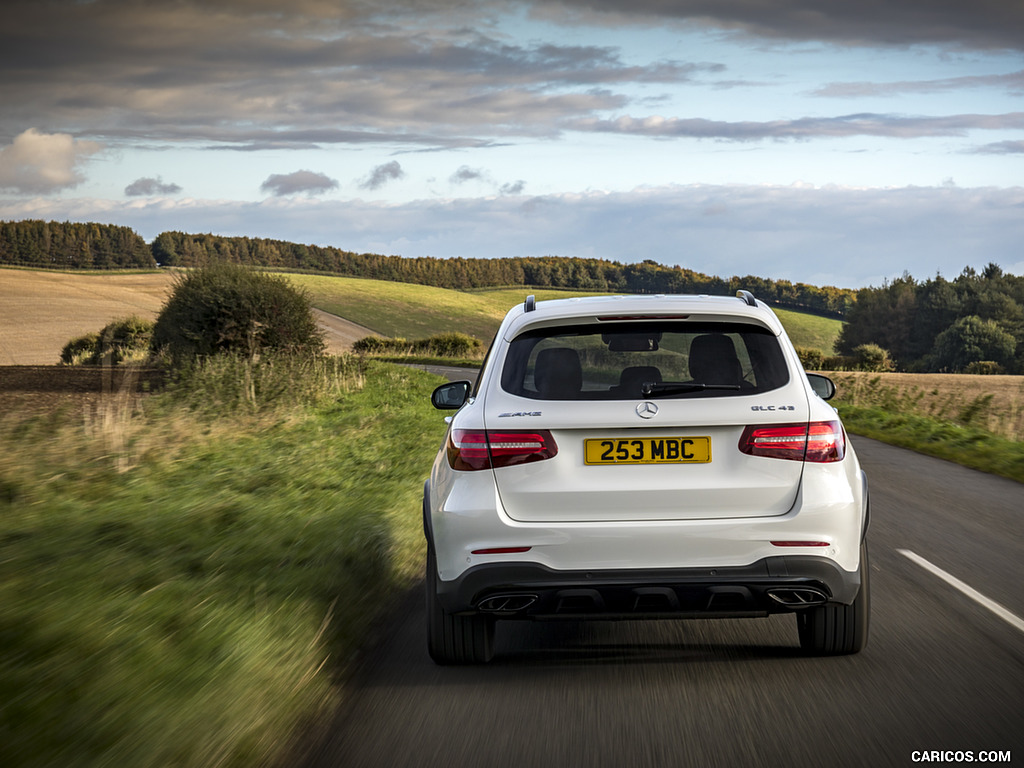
x=748 y=298
x=530 y=304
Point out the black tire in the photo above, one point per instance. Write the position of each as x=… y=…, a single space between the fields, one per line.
x=451 y=638
x=836 y=629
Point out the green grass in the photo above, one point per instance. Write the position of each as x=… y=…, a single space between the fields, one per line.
x=418 y=311
x=403 y=309
x=970 y=427
x=180 y=584
x=810 y=331
x=965 y=445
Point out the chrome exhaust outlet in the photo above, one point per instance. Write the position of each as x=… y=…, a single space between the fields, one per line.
x=798 y=597
x=506 y=603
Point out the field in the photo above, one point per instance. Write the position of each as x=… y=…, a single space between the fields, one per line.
x=994 y=404
x=41 y=311
x=417 y=311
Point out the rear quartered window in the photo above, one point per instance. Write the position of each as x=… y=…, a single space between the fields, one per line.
x=628 y=361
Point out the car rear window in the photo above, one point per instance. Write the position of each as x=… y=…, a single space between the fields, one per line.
x=628 y=361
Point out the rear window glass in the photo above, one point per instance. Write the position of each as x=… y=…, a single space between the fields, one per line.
x=628 y=361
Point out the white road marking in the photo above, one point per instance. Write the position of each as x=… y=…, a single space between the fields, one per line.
x=1011 y=618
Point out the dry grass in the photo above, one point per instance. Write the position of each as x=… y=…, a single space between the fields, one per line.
x=41 y=311
x=992 y=403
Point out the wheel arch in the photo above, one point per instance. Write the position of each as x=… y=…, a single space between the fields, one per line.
x=428 y=526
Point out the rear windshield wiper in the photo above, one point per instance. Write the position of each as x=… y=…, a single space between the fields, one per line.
x=650 y=389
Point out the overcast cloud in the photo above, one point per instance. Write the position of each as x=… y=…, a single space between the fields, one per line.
x=815 y=141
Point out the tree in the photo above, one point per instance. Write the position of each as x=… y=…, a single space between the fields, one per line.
x=230 y=308
x=164 y=251
x=970 y=340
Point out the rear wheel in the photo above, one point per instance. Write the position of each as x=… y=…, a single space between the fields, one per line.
x=451 y=638
x=836 y=629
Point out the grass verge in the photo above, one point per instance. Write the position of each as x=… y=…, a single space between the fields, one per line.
x=180 y=583
x=975 y=421
x=968 y=446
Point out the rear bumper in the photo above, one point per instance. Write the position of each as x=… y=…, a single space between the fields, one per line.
x=533 y=591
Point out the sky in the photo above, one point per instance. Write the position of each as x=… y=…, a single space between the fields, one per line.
x=824 y=142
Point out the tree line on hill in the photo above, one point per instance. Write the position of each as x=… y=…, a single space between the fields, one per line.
x=55 y=245
x=599 y=275
x=99 y=246
x=974 y=323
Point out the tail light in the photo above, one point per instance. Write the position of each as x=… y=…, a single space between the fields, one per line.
x=818 y=441
x=472 y=449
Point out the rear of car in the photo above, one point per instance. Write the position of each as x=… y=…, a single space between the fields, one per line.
x=643 y=457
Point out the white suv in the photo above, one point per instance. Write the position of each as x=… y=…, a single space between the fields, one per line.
x=643 y=457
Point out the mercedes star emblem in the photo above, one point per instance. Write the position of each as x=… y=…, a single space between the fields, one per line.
x=646 y=410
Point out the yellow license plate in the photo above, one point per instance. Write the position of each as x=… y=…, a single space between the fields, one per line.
x=647 y=450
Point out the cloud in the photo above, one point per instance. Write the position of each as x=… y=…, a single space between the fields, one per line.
x=382 y=174
x=38 y=162
x=421 y=73
x=1002 y=148
x=842 y=236
x=307 y=182
x=981 y=26
x=147 y=187
x=465 y=173
x=1013 y=83
x=889 y=126
x=391 y=72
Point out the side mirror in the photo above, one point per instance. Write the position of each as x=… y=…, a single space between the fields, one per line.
x=452 y=396
x=823 y=386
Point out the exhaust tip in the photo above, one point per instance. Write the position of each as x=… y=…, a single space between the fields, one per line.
x=506 y=603
x=798 y=597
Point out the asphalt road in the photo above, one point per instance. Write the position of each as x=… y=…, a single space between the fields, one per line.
x=941 y=673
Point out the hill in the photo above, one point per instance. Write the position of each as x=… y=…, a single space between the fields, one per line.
x=56 y=245
x=41 y=310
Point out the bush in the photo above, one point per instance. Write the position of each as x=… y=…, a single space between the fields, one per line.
x=453 y=345
x=871 y=357
x=229 y=308
x=80 y=350
x=376 y=345
x=124 y=340
x=810 y=359
x=839 y=363
x=985 y=368
x=441 y=345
